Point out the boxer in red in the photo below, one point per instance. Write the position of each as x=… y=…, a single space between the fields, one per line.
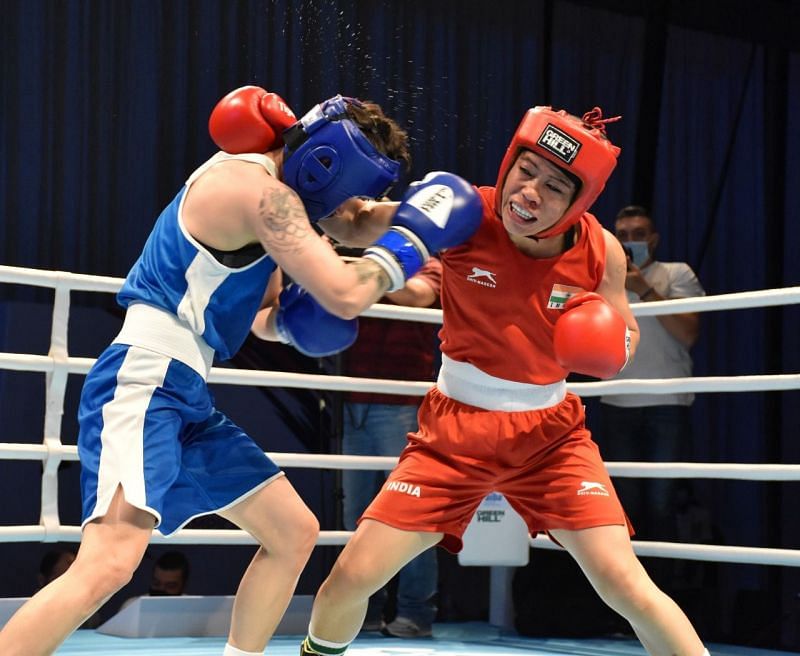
x=536 y=292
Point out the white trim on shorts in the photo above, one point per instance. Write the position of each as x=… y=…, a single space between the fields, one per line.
x=122 y=436
x=238 y=499
x=466 y=383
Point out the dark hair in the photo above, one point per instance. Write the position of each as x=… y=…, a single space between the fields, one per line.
x=635 y=210
x=382 y=132
x=173 y=560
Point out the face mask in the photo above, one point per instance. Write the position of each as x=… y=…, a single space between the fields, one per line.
x=639 y=251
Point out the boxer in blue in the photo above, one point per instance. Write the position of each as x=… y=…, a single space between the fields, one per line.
x=154 y=451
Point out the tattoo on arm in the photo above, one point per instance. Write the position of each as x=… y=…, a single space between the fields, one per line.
x=368 y=270
x=285 y=227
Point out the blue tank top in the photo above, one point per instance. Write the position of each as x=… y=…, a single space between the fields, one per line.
x=176 y=273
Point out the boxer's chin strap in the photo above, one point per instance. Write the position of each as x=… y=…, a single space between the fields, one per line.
x=569 y=238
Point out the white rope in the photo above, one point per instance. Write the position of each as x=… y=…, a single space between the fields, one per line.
x=706 y=552
x=729 y=471
x=721 y=471
x=224 y=375
x=758 y=383
x=311 y=381
x=709 y=552
x=26 y=452
x=732 y=301
x=403 y=313
x=735 y=301
x=76 y=281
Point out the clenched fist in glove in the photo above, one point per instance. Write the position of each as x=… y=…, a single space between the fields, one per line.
x=591 y=337
x=440 y=211
x=302 y=322
x=250 y=120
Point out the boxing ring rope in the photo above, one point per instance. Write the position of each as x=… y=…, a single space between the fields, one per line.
x=57 y=365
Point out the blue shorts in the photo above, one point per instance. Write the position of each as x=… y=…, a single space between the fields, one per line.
x=148 y=424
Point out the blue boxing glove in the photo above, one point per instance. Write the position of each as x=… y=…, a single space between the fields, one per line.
x=302 y=322
x=441 y=211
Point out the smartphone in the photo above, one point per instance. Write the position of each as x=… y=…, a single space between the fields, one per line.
x=629 y=256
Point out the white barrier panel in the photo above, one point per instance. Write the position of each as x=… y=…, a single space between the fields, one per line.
x=9 y=606
x=496 y=535
x=194 y=616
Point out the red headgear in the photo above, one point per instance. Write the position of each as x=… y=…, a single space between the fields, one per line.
x=577 y=146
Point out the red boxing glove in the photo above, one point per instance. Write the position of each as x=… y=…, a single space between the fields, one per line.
x=250 y=120
x=591 y=337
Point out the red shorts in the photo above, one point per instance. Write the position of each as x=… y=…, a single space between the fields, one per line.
x=543 y=461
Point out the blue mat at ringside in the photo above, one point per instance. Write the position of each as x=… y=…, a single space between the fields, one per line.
x=470 y=639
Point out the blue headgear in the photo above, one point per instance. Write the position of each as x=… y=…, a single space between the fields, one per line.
x=328 y=160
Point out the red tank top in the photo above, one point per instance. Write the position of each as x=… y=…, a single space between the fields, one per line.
x=500 y=305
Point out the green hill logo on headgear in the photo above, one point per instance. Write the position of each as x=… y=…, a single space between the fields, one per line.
x=559 y=143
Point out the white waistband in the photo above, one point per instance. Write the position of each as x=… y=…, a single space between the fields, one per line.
x=468 y=384
x=160 y=331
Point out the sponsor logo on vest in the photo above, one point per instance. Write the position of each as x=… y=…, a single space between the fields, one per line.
x=560 y=294
x=401 y=486
x=592 y=488
x=482 y=277
x=559 y=143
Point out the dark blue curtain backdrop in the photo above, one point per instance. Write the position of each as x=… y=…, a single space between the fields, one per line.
x=105 y=104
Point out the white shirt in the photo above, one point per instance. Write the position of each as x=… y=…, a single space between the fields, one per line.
x=659 y=354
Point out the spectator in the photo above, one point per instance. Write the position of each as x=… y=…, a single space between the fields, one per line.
x=647 y=427
x=377 y=425
x=170 y=574
x=168 y=579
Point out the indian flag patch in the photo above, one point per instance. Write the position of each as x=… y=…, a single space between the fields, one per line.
x=560 y=294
